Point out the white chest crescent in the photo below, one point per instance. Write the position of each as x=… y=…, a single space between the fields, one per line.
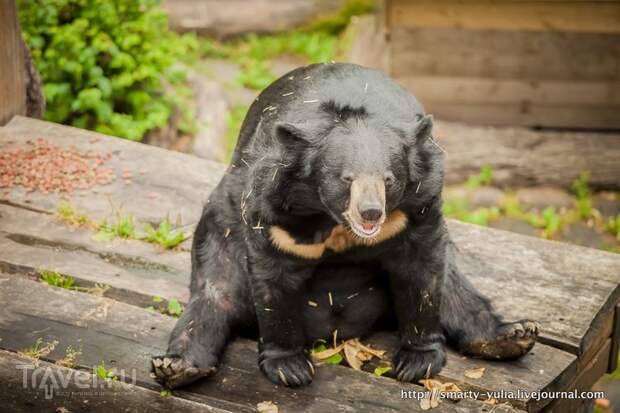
x=339 y=240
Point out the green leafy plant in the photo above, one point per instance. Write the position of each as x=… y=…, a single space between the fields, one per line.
x=484 y=177
x=234 y=120
x=613 y=226
x=173 y=307
x=549 y=220
x=381 y=370
x=164 y=235
x=38 y=349
x=56 y=279
x=459 y=209
x=122 y=227
x=70 y=358
x=107 y=65
x=582 y=194
x=104 y=373
x=69 y=214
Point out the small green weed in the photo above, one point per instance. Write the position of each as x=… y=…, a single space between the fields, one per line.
x=459 y=209
x=613 y=226
x=164 y=235
x=104 y=373
x=173 y=307
x=122 y=227
x=234 y=120
x=381 y=370
x=485 y=177
x=582 y=194
x=38 y=349
x=55 y=279
x=68 y=214
x=70 y=358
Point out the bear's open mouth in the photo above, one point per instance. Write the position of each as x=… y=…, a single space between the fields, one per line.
x=364 y=229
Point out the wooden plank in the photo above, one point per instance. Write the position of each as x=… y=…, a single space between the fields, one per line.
x=12 y=81
x=615 y=342
x=508 y=376
x=524 y=157
x=464 y=90
x=163 y=182
x=124 y=337
x=527 y=114
x=590 y=373
x=30 y=241
x=498 y=54
x=27 y=387
x=570 y=16
x=514 y=270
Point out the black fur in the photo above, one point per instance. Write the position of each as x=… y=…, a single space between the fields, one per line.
x=301 y=141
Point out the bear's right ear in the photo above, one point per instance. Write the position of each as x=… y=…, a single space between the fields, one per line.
x=288 y=133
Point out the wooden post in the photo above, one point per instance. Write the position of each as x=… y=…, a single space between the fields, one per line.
x=12 y=75
x=20 y=84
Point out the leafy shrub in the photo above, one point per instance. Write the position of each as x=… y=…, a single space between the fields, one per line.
x=105 y=64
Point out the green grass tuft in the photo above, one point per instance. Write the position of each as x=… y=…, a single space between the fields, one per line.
x=55 y=279
x=164 y=235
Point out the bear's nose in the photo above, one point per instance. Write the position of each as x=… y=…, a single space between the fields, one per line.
x=371 y=212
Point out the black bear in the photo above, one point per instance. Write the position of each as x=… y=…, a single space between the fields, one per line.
x=329 y=218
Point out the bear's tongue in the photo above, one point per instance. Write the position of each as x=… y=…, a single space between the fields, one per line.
x=368 y=227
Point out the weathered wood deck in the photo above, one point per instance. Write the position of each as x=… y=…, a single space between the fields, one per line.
x=574 y=292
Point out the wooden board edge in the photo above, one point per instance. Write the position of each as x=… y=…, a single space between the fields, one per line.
x=59 y=387
x=615 y=342
x=589 y=373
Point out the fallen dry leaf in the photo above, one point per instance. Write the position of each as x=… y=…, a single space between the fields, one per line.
x=266 y=407
x=430 y=401
x=436 y=385
x=475 y=373
x=350 y=354
x=322 y=355
x=354 y=351
x=490 y=401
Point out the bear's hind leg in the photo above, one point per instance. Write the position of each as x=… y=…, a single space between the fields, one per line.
x=218 y=307
x=194 y=347
x=472 y=325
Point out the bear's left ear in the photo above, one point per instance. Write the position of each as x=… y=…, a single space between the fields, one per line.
x=421 y=164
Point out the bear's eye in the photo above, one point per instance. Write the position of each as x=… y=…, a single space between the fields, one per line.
x=347 y=177
x=389 y=178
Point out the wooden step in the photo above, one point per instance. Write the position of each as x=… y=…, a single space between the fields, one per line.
x=124 y=336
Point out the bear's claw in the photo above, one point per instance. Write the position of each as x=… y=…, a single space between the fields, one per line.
x=290 y=370
x=173 y=371
x=412 y=366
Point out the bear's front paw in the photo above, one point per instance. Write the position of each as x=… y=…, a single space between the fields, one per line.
x=413 y=365
x=291 y=369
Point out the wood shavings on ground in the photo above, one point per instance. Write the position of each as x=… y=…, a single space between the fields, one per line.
x=45 y=167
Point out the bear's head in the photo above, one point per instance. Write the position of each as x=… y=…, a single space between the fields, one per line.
x=360 y=166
